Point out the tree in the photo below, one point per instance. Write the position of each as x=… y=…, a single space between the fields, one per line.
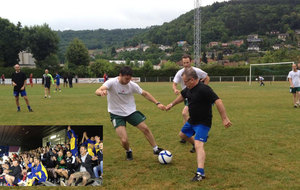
x=51 y=62
x=77 y=54
x=102 y=66
x=41 y=42
x=10 y=43
x=170 y=65
x=113 y=52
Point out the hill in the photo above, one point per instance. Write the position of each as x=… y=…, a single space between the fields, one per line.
x=228 y=20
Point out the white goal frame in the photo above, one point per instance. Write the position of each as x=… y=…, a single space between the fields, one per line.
x=263 y=64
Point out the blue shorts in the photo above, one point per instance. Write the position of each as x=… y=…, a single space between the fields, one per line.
x=200 y=131
x=22 y=92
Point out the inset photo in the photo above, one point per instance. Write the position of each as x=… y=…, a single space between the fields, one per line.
x=51 y=155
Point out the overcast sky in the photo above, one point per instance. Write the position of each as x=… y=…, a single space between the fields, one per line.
x=95 y=14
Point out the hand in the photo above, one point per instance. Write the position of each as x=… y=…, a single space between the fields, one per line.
x=101 y=92
x=226 y=122
x=23 y=87
x=176 y=91
x=161 y=107
x=169 y=106
x=14 y=84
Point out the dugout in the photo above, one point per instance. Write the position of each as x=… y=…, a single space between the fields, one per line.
x=32 y=137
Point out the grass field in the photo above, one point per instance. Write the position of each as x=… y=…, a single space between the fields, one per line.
x=260 y=151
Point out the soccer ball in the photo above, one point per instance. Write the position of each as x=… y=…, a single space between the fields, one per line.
x=165 y=157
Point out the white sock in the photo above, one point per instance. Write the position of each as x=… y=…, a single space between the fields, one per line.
x=155 y=148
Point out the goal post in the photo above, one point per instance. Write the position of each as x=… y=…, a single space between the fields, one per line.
x=265 y=64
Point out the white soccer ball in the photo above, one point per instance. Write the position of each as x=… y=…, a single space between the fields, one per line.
x=165 y=157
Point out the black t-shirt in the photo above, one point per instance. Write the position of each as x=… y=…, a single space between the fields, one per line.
x=19 y=79
x=200 y=100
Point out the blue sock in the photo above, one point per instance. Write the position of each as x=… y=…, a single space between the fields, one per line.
x=201 y=170
x=29 y=108
x=19 y=108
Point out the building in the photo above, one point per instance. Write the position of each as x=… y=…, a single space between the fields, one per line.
x=26 y=59
x=283 y=37
x=276 y=46
x=164 y=48
x=253 y=47
x=212 y=44
x=237 y=43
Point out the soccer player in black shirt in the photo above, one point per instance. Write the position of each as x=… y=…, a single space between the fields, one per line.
x=200 y=99
x=19 y=81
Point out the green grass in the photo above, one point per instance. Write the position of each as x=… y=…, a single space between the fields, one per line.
x=260 y=151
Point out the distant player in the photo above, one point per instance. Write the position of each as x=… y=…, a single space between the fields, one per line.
x=19 y=81
x=57 y=79
x=294 y=79
x=187 y=63
x=47 y=80
x=3 y=79
x=31 y=79
x=261 y=81
x=200 y=98
x=122 y=108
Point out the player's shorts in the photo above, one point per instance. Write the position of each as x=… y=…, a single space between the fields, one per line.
x=200 y=131
x=294 y=90
x=22 y=92
x=186 y=102
x=134 y=119
x=47 y=85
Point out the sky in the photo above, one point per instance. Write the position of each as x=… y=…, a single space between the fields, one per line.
x=95 y=14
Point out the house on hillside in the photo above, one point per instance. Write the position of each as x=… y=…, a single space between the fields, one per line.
x=283 y=37
x=237 y=43
x=253 y=42
x=212 y=44
x=276 y=46
x=297 y=31
x=164 y=48
x=181 y=43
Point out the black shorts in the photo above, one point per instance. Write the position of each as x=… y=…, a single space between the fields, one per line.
x=47 y=86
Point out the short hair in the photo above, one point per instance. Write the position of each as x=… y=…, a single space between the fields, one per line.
x=126 y=71
x=83 y=147
x=190 y=73
x=186 y=56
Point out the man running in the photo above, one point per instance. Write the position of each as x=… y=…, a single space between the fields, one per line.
x=122 y=108
x=294 y=80
x=19 y=81
x=200 y=98
x=187 y=63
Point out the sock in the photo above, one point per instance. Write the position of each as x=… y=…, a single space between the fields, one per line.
x=19 y=108
x=29 y=108
x=155 y=148
x=201 y=170
x=129 y=150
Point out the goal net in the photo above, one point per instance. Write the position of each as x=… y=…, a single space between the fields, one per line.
x=270 y=71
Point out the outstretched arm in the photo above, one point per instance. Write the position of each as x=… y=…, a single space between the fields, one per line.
x=176 y=101
x=206 y=80
x=220 y=106
x=175 y=90
x=102 y=91
x=149 y=97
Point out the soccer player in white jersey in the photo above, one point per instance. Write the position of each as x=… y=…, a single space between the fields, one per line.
x=187 y=63
x=294 y=79
x=122 y=108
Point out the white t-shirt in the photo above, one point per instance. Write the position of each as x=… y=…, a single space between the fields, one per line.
x=178 y=78
x=120 y=97
x=295 y=76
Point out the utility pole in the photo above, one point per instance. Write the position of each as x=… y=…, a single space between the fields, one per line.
x=197 y=32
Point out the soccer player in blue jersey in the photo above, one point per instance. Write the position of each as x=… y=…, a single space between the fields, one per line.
x=57 y=79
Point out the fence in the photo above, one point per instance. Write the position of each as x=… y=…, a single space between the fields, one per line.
x=270 y=78
x=220 y=78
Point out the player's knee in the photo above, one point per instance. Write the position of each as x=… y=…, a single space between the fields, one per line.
x=124 y=140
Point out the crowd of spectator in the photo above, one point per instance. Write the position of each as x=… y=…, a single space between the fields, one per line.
x=56 y=165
